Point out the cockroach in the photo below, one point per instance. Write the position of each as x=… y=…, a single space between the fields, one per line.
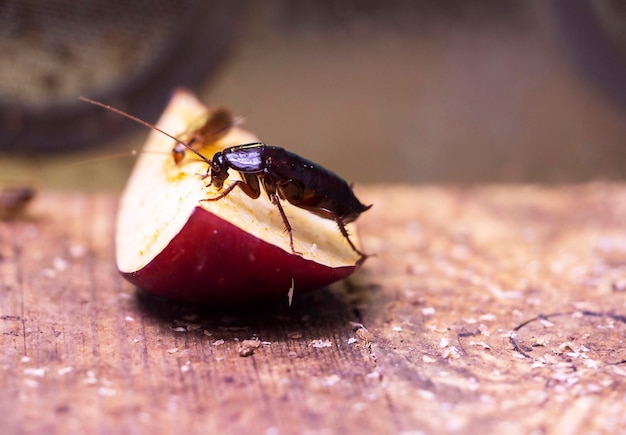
x=284 y=176
x=287 y=176
x=217 y=125
x=13 y=199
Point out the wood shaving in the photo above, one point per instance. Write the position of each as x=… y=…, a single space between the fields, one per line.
x=321 y=343
x=290 y=292
x=77 y=251
x=248 y=347
x=38 y=372
x=106 y=392
x=64 y=371
x=480 y=343
x=374 y=376
x=451 y=353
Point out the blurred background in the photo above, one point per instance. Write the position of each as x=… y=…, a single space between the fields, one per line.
x=394 y=91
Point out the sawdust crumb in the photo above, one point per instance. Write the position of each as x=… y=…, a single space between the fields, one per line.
x=248 y=347
x=570 y=348
x=480 y=344
x=90 y=378
x=619 y=371
x=37 y=372
x=330 y=380
x=65 y=370
x=60 y=264
x=451 y=353
x=484 y=330
x=425 y=394
x=320 y=343
x=48 y=273
x=546 y=323
x=77 y=251
x=106 y=391
x=31 y=383
x=440 y=329
x=374 y=376
x=517 y=313
x=428 y=311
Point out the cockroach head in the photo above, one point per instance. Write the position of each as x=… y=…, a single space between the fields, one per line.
x=218 y=171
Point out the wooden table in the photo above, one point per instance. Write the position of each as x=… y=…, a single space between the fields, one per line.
x=488 y=309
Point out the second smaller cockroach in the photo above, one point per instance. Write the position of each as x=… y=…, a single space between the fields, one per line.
x=217 y=125
x=283 y=174
x=13 y=199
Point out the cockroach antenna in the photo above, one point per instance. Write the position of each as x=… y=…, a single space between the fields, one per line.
x=145 y=124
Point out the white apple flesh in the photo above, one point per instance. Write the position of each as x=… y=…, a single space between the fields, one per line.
x=233 y=250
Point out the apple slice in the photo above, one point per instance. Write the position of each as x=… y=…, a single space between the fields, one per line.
x=233 y=250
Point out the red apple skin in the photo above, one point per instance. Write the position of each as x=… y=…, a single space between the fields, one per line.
x=212 y=261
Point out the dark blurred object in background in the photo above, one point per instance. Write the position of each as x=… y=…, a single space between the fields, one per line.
x=415 y=91
x=594 y=34
x=130 y=54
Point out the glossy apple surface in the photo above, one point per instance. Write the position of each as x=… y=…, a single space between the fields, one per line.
x=234 y=250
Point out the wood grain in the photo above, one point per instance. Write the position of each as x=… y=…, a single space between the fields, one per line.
x=487 y=309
